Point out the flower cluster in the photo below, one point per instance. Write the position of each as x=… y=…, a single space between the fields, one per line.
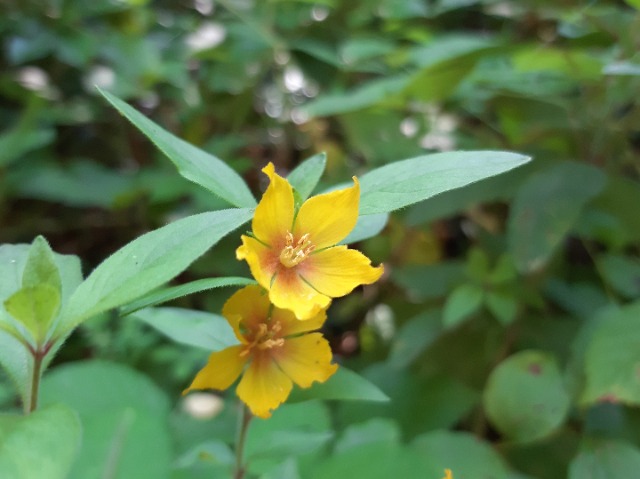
x=294 y=256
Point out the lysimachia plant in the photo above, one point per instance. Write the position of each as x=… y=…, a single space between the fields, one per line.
x=270 y=329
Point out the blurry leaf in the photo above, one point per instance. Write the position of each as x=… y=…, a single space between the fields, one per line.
x=429 y=282
x=466 y=455
x=17 y=361
x=612 y=358
x=623 y=273
x=620 y=192
x=374 y=430
x=40 y=445
x=124 y=419
x=306 y=175
x=574 y=63
x=579 y=299
x=194 y=164
x=35 y=307
x=545 y=210
x=623 y=68
x=414 y=337
x=502 y=305
x=402 y=183
x=16 y=143
x=600 y=459
x=371 y=93
x=463 y=301
x=290 y=443
x=525 y=398
x=147 y=262
x=187 y=326
x=173 y=292
x=367 y=227
x=344 y=385
x=445 y=62
x=80 y=184
x=358 y=49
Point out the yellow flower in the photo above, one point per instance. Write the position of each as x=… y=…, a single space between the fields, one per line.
x=294 y=254
x=447 y=474
x=278 y=349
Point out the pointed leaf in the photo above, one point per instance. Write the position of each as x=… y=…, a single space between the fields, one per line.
x=147 y=262
x=306 y=175
x=344 y=385
x=194 y=164
x=35 y=307
x=403 y=183
x=41 y=267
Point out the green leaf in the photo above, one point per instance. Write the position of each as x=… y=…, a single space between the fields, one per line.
x=306 y=175
x=35 y=307
x=612 y=358
x=40 y=445
x=371 y=93
x=147 y=262
x=41 y=267
x=194 y=328
x=344 y=385
x=403 y=183
x=463 y=453
x=623 y=273
x=463 y=301
x=173 y=292
x=502 y=305
x=194 y=164
x=124 y=418
x=546 y=208
x=603 y=459
x=367 y=227
x=525 y=398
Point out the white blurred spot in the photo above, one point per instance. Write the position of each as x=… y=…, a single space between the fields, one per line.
x=33 y=78
x=299 y=116
x=282 y=57
x=409 y=127
x=380 y=318
x=101 y=76
x=202 y=405
x=204 y=7
x=150 y=100
x=319 y=13
x=293 y=79
x=209 y=35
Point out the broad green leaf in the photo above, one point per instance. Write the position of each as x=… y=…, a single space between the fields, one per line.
x=464 y=301
x=194 y=328
x=374 y=430
x=344 y=385
x=173 y=292
x=414 y=337
x=18 y=142
x=367 y=227
x=306 y=175
x=623 y=273
x=147 y=262
x=605 y=459
x=502 y=305
x=35 y=307
x=612 y=358
x=403 y=183
x=371 y=93
x=40 y=445
x=194 y=164
x=575 y=63
x=525 y=398
x=124 y=418
x=41 y=267
x=463 y=453
x=546 y=208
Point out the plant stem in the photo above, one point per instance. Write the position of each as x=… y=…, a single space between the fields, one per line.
x=243 y=427
x=35 y=380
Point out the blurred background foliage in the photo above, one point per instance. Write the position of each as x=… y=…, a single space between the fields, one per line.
x=507 y=327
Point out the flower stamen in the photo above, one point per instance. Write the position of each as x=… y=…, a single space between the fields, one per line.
x=290 y=255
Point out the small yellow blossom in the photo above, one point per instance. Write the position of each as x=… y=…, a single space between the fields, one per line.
x=447 y=474
x=276 y=349
x=295 y=256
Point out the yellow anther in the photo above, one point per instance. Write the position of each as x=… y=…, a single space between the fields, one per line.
x=291 y=256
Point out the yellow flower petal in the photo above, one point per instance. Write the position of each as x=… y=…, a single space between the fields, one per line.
x=274 y=214
x=292 y=325
x=221 y=370
x=289 y=291
x=330 y=217
x=264 y=386
x=262 y=260
x=447 y=474
x=306 y=359
x=249 y=305
x=337 y=271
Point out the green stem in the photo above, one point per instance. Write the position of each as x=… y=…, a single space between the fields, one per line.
x=38 y=356
x=245 y=419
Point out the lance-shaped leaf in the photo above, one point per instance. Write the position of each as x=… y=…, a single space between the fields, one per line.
x=405 y=182
x=193 y=163
x=148 y=262
x=306 y=175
